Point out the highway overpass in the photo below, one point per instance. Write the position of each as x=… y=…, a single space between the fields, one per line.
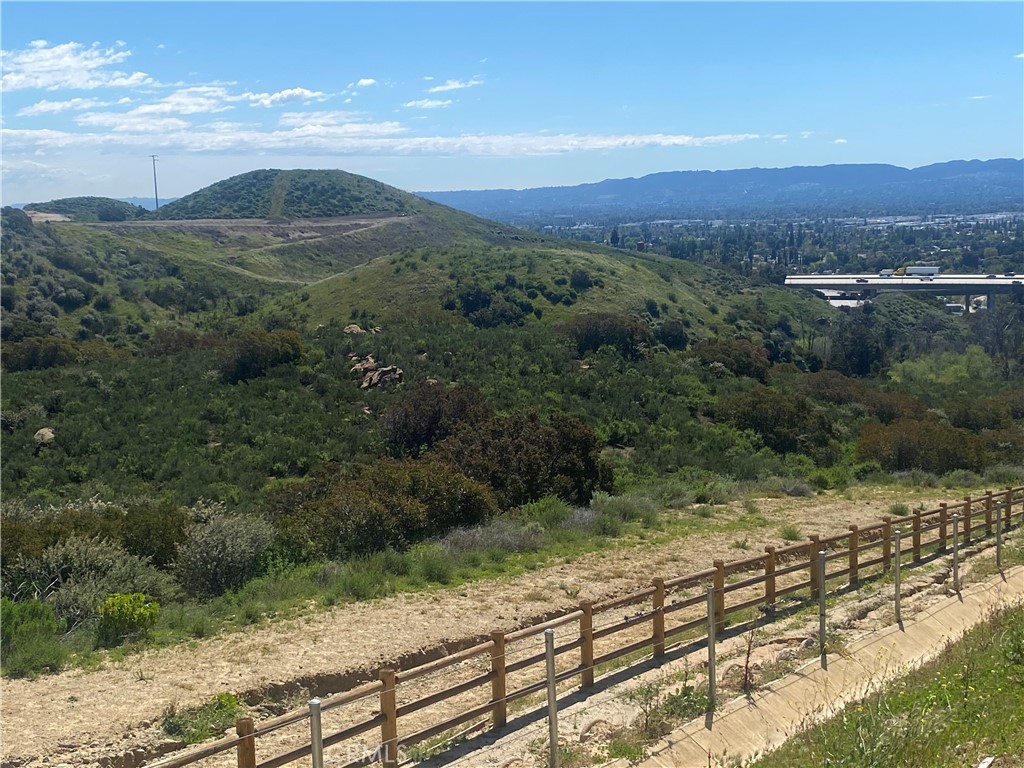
x=942 y=284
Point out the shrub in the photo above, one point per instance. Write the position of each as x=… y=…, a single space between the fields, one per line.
x=428 y=414
x=29 y=639
x=629 y=337
x=551 y=512
x=125 y=617
x=523 y=459
x=221 y=552
x=197 y=724
x=76 y=576
x=790 y=533
x=501 y=533
x=626 y=508
x=252 y=353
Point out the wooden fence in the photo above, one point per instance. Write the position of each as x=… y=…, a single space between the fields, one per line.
x=667 y=606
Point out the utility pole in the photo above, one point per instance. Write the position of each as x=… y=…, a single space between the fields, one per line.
x=156 y=195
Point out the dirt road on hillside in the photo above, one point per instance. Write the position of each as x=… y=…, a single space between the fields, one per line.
x=80 y=717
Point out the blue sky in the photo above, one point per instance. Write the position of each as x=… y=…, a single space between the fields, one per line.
x=432 y=96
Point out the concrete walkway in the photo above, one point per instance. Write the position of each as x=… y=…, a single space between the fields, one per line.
x=747 y=727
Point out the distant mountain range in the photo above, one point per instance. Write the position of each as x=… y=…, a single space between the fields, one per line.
x=960 y=186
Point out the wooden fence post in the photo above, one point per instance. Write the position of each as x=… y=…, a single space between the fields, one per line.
x=988 y=513
x=917 y=535
x=499 y=711
x=719 y=596
x=1009 y=508
x=587 y=643
x=812 y=560
x=854 y=545
x=943 y=525
x=244 y=726
x=968 y=502
x=886 y=543
x=769 y=575
x=388 y=728
x=658 y=619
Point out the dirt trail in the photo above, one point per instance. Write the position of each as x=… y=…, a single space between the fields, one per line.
x=80 y=717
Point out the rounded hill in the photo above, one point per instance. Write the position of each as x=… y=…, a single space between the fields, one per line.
x=90 y=208
x=291 y=194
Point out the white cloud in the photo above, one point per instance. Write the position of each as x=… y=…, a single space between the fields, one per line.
x=46 y=107
x=198 y=99
x=333 y=117
x=135 y=132
x=455 y=85
x=428 y=103
x=131 y=122
x=68 y=65
x=806 y=134
x=365 y=82
x=428 y=77
x=1019 y=56
x=980 y=98
x=840 y=141
x=286 y=96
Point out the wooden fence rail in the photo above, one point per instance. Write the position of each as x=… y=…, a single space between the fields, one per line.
x=930 y=530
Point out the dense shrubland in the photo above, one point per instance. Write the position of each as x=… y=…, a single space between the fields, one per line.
x=208 y=451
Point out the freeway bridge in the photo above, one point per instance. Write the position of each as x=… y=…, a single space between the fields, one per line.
x=942 y=284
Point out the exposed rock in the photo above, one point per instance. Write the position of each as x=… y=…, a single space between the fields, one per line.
x=391 y=374
x=353 y=328
x=44 y=436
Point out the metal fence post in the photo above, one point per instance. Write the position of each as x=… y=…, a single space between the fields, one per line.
x=712 y=671
x=549 y=653
x=956 y=553
x=896 y=576
x=316 y=734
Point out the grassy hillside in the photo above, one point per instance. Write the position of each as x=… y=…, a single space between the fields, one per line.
x=298 y=194
x=188 y=392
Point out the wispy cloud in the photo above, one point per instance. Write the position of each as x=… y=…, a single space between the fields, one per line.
x=287 y=96
x=46 y=107
x=1019 y=56
x=68 y=65
x=334 y=117
x=365 y=82
x=344 y=138
x=455 y=85
x=840 y=141
x=133 y=123
x=428 y=103
x=980 y=98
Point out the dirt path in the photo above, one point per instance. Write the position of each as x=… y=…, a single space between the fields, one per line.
x=81 y=717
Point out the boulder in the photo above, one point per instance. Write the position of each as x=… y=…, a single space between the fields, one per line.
x=44 y=436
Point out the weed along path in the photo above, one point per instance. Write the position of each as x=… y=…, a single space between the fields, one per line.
x=112 y=715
